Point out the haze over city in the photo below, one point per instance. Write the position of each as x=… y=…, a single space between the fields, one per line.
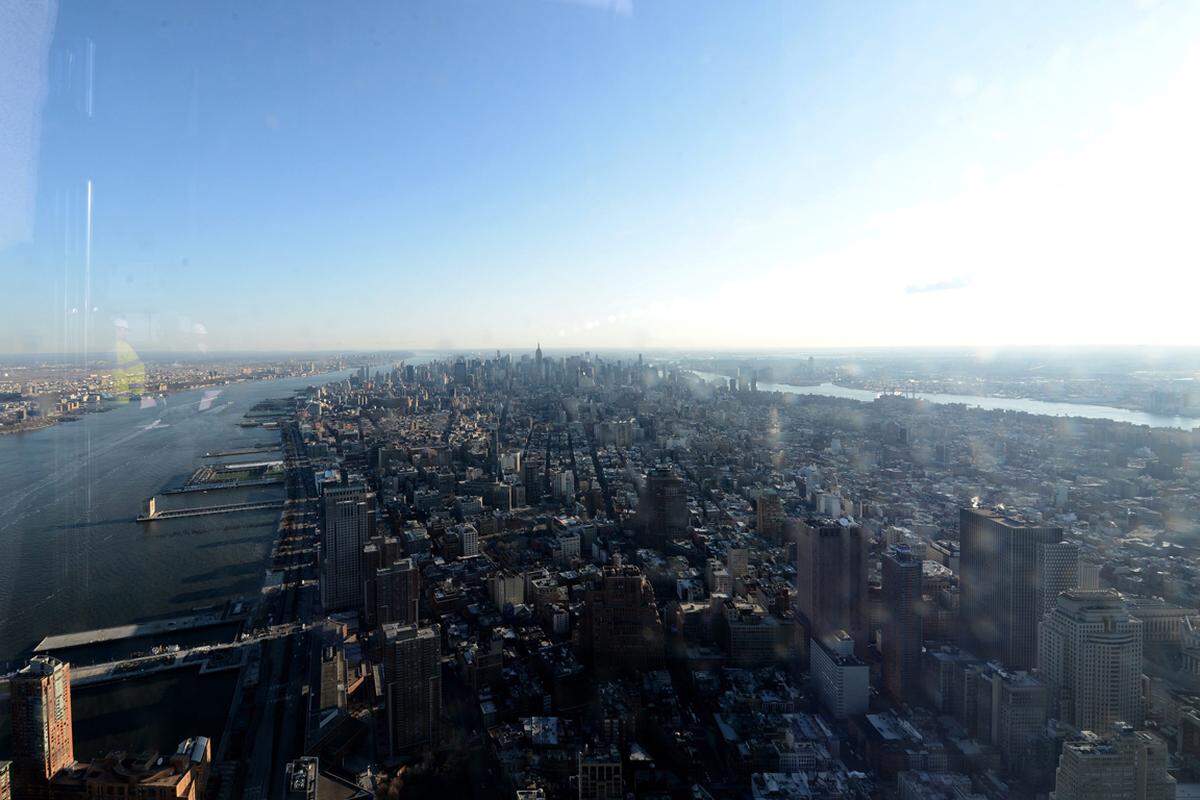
x=599 y=174
x=599 y=400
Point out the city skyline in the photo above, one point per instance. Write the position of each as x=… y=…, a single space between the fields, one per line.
x=618 y=175
x=599 y=399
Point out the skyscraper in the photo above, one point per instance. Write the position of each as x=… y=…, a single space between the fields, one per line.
x=770 y=516
x=902 y=623
x=42 y=740
x=1091 y=660
x=1129 y=765
x=346 y=528
x=623 y=627
x=412 y=663
x=842 y=680
x=831 y=578
x=662 y=508
x=397 y=593
x=1010 y=574
x=1011 y=709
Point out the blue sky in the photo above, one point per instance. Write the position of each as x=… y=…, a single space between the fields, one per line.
x=626 y=173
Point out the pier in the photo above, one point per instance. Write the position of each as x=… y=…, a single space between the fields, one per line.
x=163 y=627
x=204 y=487
x=245 y=451
x=152 y=514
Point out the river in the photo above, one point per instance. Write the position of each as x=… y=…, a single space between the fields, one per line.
x=1042 y=407
x=72 y=556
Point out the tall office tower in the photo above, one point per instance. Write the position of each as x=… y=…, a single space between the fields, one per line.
x=1091 y=660
x=381 y=552
x=831 y=578
x=662 y=508
x=469 y=536
x=397 y=593
x=622 y=625
x=737 y=561
x=1010 y=574
x=902 y=623
x=5 y=781
x=412 y=666
x=346 y=528
x=770 y=516
x=40 y=711
x=843 y=681
x=1129 y=765
x=1011 y=709
x=535 y=478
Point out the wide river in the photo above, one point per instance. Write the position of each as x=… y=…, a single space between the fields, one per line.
x=72 y=556
x=1042 y=407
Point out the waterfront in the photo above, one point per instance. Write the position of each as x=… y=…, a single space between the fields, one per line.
x=1042 y=407
x=72 y=555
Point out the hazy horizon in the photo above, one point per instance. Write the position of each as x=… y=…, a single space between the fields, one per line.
x=597 y=174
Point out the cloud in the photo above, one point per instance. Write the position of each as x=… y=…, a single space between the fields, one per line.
x=939 y=286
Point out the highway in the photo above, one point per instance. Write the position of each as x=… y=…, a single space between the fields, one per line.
x=276 y=713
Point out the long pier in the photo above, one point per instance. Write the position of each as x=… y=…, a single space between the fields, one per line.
x=152 y=513
x=204 y=487
x=245 y=451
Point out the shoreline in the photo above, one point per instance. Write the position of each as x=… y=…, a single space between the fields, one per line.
x=45 y=423
x=1050 y=408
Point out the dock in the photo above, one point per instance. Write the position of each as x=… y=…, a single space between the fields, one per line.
x=64 y=641
x=204 y=487
x=245 y=451
x=152 y=514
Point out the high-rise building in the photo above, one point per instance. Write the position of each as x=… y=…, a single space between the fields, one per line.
x=535 y=478
x=562 y=483
x=770 y=516
x=750 y=635
x=468 y=534
x=1010 y=573
x=1013 y=710
x=622 y=625
x=1091 y=660
x=5 y=780
x=346 y=529
x=843 y=681
x=902 y=623
x=831 y=578
x=737 y=562
x=397 y=593
x=1129 y=765
x=506 y=587
x=42 y=740
x=380 y=553
x=662 y=508
x=412 y=664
